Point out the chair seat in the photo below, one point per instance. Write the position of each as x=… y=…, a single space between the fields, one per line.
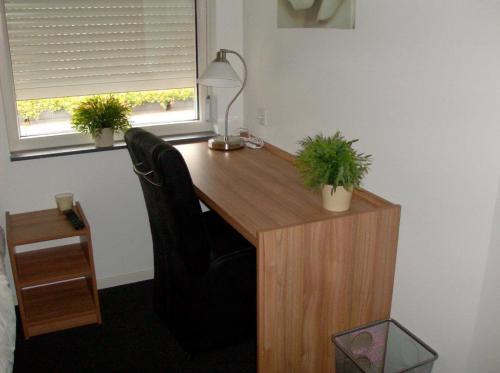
x=223 y=238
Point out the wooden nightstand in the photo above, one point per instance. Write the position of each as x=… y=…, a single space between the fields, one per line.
x=56 y=287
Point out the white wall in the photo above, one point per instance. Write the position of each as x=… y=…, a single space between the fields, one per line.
x=228 y=33
x=104 y=183
x=419 y=84
x=484 y=355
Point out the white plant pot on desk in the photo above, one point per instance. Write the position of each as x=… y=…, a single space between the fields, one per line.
x=105 y=139
x=336 y=200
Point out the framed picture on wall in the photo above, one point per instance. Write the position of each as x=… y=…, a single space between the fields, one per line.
x=317 y=14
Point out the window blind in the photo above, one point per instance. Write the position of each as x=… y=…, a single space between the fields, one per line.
x=79 y=47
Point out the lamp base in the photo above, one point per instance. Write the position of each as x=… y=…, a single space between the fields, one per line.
x=226 y=143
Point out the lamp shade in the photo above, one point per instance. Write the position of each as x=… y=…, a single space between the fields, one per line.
x=220 y=74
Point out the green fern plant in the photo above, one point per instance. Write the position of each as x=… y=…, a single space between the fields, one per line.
x=96 y=113
x=331 y=160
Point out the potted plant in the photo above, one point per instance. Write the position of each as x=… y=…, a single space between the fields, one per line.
x=331 y=164
x=101 y=117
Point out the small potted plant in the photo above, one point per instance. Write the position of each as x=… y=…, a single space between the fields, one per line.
x=101 y=117
x=331 y=164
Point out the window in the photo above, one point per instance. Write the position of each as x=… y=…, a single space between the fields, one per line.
x=146 y=53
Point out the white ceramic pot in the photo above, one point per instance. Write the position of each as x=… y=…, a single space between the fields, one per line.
x=105 y=139
x=339 y=200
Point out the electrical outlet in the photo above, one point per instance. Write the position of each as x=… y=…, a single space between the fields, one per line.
x=262 y=116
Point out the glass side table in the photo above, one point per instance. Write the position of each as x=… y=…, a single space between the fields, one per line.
x=382 y=347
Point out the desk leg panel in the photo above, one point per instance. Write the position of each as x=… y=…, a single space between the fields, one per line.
x=317 y=279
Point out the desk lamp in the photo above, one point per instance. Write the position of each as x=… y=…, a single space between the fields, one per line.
x=220 y=74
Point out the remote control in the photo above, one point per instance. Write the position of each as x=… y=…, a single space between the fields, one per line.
x=73 y=218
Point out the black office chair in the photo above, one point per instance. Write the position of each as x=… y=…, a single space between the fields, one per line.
x=204 y=284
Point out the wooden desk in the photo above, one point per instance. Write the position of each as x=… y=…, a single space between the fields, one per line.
x=319 y=272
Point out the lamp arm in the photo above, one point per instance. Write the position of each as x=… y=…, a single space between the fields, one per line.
x=239 y=92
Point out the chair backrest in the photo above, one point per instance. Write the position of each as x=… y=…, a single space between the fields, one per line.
x=175 y=216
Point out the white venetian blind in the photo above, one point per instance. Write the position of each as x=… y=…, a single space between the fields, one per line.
x=78 y=47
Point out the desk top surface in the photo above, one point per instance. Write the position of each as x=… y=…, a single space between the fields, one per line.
x=260 y=190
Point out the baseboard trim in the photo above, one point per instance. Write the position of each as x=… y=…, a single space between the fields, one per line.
x=127 y=278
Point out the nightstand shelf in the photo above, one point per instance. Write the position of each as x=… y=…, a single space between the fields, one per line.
x=58 y=263
x=59 y=306
x=56 y=287
x=44 y=225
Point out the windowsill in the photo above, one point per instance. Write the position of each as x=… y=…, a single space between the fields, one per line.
x=90 y=148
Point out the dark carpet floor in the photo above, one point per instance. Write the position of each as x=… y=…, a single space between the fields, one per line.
x=131 y=339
